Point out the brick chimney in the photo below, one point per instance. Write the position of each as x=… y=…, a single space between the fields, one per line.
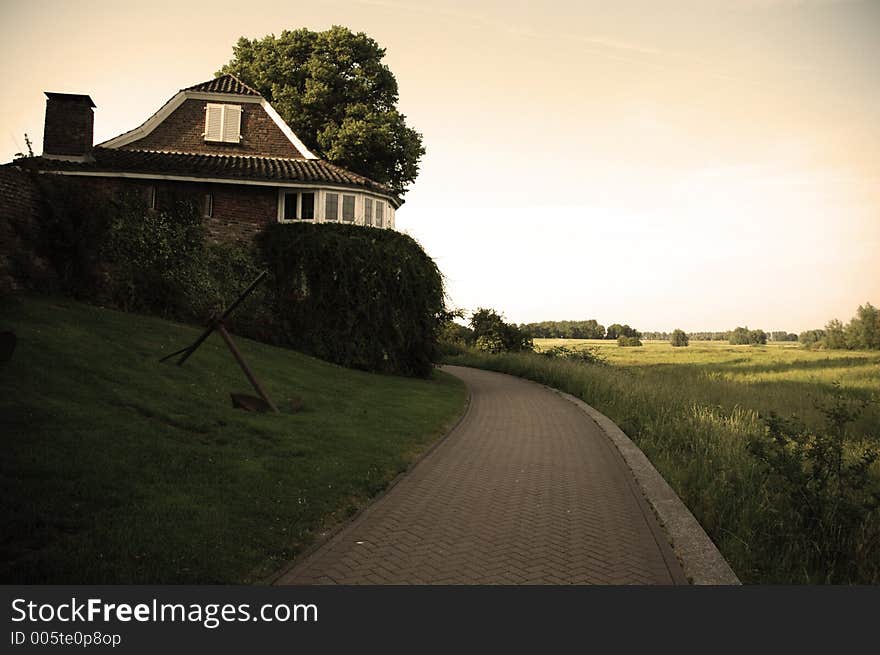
x=69 y=125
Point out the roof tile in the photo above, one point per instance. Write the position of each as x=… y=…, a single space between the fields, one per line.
x=231 y=167
x=225 y=84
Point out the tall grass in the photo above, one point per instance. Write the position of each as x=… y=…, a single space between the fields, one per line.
x=695 y=422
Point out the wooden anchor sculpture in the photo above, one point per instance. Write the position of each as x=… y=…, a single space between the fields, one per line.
x=217 y=323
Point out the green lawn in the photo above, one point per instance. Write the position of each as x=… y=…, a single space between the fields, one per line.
x=118 y=469
x=693 y=410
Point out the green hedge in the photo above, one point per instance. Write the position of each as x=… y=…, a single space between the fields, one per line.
x=361 y=297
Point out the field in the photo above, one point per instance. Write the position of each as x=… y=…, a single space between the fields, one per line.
x=117 y=469
x=694 y=410
x=782 y=377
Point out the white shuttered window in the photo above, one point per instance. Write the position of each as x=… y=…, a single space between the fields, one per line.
x=223 y=123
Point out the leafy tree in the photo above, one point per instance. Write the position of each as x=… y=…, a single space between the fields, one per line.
x=590 y=329
x=811 y=337
x=617 y=330
x=744 y=336
x=626 y=341
x=678 y=339
x=492 y=334
x=335 y=92
x=863 y=330
x=757 y=337
x=739 y=337
x=835 y=335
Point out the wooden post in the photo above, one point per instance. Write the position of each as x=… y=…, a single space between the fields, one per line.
x=244 y=367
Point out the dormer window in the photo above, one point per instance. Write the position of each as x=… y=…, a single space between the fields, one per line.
x=222 y=123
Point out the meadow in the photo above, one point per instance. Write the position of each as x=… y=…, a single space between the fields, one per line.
x=694 y=412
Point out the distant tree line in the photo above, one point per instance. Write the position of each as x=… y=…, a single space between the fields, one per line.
x=861 y=333
x=565 y=329
x=494 y=334
x=590 y=329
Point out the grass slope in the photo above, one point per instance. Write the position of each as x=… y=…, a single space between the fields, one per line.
x=692 y=410
x=118 y=469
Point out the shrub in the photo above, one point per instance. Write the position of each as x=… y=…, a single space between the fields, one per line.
x=679 y=339
x=588 y=355
x=69 y=234
x=493 y=335
x=628 y=341
x=822 y=494
x=156 y=258
x=359 y=297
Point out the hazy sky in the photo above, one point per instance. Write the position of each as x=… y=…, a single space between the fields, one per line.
x=697 y=163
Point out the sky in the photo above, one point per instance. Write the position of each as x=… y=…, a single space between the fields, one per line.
x=694 y=164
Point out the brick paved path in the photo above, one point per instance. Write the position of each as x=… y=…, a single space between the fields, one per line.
x=526 y=490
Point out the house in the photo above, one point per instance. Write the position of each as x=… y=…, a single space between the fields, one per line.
x=222 y=144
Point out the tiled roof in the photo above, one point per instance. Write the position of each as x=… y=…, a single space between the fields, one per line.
x=231 y=167
x=225 y=84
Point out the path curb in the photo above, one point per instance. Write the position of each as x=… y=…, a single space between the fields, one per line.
x=701 y=560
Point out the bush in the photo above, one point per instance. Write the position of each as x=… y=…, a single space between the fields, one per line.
x=587 y=355
x=69 y=234
x=493 y=335
x=360 y=297
x=156 y=258
x=628 y=341
x=820 y=492
x=679 y=339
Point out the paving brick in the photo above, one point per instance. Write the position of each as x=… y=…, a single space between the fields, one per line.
x=526 y=490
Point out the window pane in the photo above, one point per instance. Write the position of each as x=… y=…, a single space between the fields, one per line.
x=347 y=208
x=208 y=205
x=331 y=207
x=380 y=212
x=308 y=206
x=290 y=206
x=368 y=211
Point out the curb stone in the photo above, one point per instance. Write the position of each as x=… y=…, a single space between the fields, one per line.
x=700 y=558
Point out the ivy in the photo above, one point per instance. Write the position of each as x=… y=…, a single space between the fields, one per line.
x=360 y=297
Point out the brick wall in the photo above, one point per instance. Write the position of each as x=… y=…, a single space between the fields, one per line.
x=68 y=129
x=19 y=206
x=239 y=213
x=183 y=131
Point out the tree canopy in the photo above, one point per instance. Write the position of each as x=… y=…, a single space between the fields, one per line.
x=492 y=334
x=337 y=95
x=744 y=336
x=679 y=338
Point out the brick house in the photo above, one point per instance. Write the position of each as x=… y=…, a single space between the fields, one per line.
x=222 y=144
